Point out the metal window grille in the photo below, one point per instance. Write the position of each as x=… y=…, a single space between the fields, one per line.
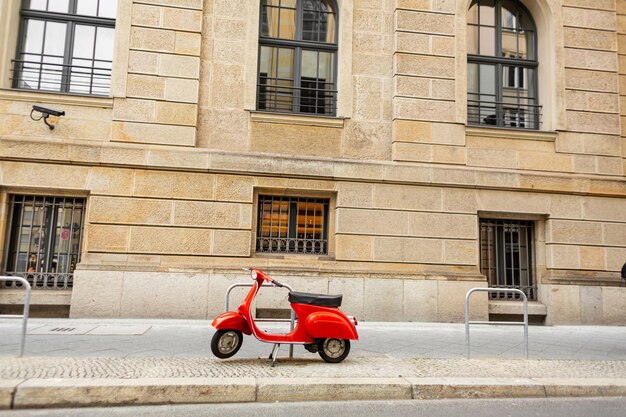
x=65 y=46
x=298 y=57
x=44 y=235
x=502 y=66
x=292 y=225
x=506 y=256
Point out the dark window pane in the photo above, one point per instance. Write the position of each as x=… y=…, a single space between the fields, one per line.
x=276 y=79
x=503 y=92
x=506 y=256
x=292 y=225
x=44 y=240
x=280 y=86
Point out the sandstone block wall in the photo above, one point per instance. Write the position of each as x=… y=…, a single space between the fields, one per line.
x=160 y=102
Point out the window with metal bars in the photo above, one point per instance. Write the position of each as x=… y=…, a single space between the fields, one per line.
x=65 y=46
x=292 y=225
x=297 y=56
x=506 y=256
x=44 y=240
x=502 y=65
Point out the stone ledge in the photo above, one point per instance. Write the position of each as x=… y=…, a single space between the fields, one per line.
x=496 y=132
x=56 y=98
x=517 y=307
x=437 y=388
x=18 y=148
x=37 y=393
x=576 y=277
x=296 y=119
x=291 y=266
x=37 y=297
x=332 y=389
x=55 y=392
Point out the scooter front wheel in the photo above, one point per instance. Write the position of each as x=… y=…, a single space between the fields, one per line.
x=334 y=350
x=226 y=343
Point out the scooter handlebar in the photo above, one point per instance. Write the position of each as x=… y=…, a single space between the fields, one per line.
x=277 y=284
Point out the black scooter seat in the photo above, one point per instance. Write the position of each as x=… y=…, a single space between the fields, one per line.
x=322 y=300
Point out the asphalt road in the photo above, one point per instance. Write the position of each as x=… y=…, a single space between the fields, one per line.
x=539 y=407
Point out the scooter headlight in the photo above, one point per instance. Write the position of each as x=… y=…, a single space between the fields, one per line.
x=253 y=274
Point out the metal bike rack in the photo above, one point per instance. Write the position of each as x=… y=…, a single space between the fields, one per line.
x=291 y=320
x=510 y=290
x=24 y=315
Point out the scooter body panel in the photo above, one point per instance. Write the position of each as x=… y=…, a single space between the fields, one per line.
x=314 y=322
x=330 y=324
x=231 y=320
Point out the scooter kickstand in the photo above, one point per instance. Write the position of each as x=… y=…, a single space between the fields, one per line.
x=274 y=353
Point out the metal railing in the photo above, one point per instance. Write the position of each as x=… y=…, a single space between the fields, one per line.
x=42 y=280
x=488 y=290
x=291 y=320
x=512 y=111
x=42 y=74
x=318 y=97
x=24 y=315
x=291 y=245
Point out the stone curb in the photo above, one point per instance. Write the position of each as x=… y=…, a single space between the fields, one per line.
x=54 y=393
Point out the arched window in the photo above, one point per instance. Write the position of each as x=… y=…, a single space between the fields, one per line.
x=297 y=56
x=502 y=65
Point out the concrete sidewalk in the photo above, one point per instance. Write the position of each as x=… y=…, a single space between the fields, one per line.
x=121 y=362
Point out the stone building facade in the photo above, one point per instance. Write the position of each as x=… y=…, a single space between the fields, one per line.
x=199 y=150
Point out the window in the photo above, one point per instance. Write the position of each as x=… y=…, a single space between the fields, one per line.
x=501 y=65
x=44 y=240
x=292 y=225
x=506 y=256
x=297 y=57
x=66 y=46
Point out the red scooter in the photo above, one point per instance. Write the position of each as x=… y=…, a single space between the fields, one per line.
x=321 y=326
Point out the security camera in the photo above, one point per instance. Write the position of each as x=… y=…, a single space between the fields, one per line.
x=45 y=113
x=48 y=111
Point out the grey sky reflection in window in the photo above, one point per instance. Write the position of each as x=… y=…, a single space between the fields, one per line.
x=47 y=61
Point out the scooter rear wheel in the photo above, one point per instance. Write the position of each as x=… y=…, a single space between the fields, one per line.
x=225 y=343
x=334 y=350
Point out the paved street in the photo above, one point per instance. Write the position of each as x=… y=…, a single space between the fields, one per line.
x=191 y=339
x=132 y=362
x=552 y=407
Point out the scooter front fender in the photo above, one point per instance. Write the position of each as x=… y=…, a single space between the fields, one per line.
x=326 y=325
x=231 y=320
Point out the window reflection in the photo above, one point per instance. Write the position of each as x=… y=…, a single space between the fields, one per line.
x=297 y=56
x=83 y=65
x=501 y=65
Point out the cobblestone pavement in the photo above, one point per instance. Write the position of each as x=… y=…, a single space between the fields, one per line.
x=136 y=368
